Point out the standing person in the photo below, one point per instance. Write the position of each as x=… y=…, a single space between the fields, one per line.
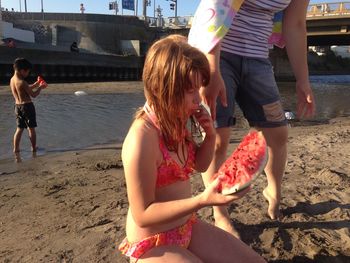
x=24 y=108
x=82 y=8
x=242 y=73
x=159 y=155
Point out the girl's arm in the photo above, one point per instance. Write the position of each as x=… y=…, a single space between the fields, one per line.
x=140 y=167
x=294 y=33
x=205 y=152
x=216 y=85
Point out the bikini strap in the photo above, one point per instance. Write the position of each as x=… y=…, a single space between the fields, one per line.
x=151 y=115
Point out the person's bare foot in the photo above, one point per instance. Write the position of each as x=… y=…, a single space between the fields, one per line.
x=225 y=224
x=18 y=158
x=273 y=210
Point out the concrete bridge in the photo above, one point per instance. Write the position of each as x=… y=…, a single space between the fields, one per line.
x=102 y=37
x=329 y=24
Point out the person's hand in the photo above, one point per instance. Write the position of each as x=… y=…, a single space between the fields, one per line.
x=305 y=101
x=205 y=121
x=212 y=195
x=216 y=88
x=41 y=82
x=43 y=85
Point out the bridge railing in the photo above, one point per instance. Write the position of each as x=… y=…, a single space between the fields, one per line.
x=179 y=21
x=329 y=9
x=314 y=10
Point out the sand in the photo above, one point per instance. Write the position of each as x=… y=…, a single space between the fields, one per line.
x=71 y=206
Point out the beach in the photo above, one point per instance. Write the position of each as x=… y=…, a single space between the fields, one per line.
x=71 y=206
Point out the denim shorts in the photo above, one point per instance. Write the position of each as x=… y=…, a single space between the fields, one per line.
x=251 y=83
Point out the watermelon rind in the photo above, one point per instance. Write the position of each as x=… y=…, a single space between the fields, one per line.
x=239 y=187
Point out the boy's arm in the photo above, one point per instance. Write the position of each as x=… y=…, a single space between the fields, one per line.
x=34 y=85
x=24 y=85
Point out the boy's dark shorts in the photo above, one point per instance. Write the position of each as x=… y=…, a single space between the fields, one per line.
x=251 y=83
x=25 y=115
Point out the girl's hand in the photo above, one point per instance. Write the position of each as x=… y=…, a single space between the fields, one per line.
x=305 y=101
x=212 y=195
x=205 y=121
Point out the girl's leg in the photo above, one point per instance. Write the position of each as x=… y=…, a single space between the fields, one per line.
x=276 y=139
x=221 y=216
x=213 y=245
x=169 y=254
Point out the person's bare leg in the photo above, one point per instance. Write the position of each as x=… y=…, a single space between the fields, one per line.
x=276 y=139
x=32 y=137
x=17 y=139
x=169 y=254
x=213 y=245
x=18 y=158
x=221 y=216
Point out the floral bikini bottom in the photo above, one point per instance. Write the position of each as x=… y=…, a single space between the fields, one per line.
x=179 y=236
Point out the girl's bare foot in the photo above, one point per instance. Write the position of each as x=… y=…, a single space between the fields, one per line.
x=225 y=224
x=273 y=210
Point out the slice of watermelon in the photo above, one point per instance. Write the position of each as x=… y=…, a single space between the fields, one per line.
x=245 y=163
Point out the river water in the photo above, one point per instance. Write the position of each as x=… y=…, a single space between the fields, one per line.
x=69 y=122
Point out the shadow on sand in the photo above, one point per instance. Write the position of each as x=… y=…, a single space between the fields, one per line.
x=250 y=234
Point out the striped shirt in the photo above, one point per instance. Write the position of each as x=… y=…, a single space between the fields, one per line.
x=252 y=27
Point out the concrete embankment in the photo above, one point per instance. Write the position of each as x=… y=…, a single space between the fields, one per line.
x=57 y=66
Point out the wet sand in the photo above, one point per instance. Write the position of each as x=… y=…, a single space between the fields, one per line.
x=71 y=207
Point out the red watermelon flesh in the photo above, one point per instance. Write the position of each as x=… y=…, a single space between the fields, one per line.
x=245 y=163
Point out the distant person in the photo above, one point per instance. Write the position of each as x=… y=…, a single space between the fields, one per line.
x=11 y=43
x=159 y=156
x=24 y=107
x=74 y=47
x=82 y=8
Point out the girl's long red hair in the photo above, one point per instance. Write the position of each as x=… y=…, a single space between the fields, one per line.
x=170 y=68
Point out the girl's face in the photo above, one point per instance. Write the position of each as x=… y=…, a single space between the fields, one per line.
x=192 y=97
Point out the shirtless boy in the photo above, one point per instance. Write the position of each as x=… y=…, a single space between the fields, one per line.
x=24 y=107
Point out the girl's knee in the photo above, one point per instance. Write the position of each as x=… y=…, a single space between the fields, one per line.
x=276 y=137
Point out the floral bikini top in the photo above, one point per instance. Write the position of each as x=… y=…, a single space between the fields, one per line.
x=170 y=171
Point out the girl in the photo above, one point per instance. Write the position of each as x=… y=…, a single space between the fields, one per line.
x=242 y=74
x=159 y=155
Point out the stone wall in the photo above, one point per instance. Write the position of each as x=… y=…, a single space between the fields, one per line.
x=102 y=34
